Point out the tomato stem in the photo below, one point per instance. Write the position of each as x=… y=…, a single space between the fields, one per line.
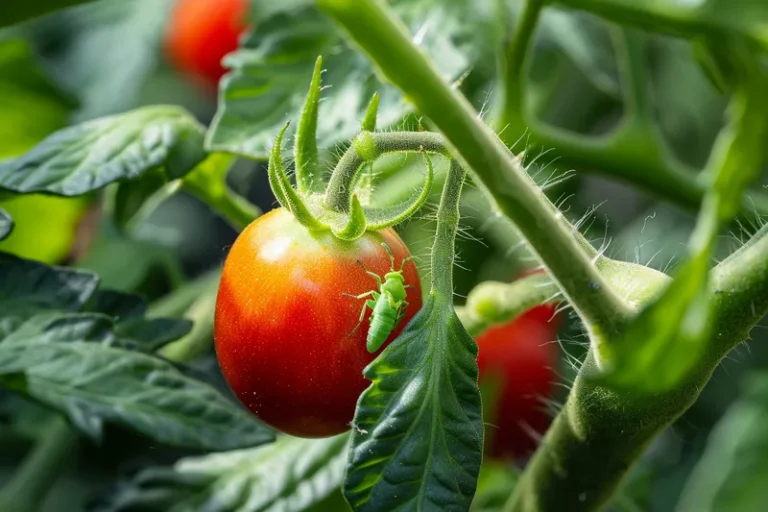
x=443 y=250
x=369 y=146
x=387 y=41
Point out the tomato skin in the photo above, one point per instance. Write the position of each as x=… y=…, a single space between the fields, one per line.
x=282 y=326
x=520 y=359
x=201 y=33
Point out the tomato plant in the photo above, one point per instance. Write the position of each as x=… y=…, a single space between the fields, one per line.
x=230 y=318
x=201 y=32
x=279 y=279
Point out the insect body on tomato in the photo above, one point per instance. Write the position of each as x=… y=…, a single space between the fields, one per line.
x=388 y=304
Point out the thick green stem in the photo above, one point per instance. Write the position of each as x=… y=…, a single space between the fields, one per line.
x=615 y=428
x=208 y=182
x=443 y=250
x=740 y=283
x=40 y=469
x=386 y=40
x=512 y=65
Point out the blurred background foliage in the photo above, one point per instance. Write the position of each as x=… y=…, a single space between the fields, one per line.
x=107 y=57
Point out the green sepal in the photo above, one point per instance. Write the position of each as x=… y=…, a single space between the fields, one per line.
x=369 y=119
x=6 y=224
x=356 y=223
x=305 y=146
x=284 y=192
x=384 y=217
x=272 y=173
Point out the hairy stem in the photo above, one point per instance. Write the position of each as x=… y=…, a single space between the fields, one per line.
x=385 y=39
x=373 y=145
x=443 y=250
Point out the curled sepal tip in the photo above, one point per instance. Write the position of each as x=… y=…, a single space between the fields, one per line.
x=356 y=222
x=384 y=217
x=305 y=148
x=284 y=192
x=369 y=119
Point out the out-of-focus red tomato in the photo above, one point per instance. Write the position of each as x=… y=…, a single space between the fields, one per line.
x=518 y=361
x=201 y=32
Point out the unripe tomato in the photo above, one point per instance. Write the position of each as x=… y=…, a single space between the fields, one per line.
x=283 y=324
x=201 y=33
x=519 y=360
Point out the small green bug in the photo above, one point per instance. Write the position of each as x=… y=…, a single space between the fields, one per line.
x=388 y=303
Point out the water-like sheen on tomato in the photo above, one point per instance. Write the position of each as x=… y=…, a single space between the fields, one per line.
x=283 y=323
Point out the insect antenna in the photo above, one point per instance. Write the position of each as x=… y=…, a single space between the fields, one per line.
x=389 y=251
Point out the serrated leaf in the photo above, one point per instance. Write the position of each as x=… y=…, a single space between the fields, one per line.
x=270 y=71
x=27 y=287
x=88 y=156
x=67 y=364
x=732 y=473
x=289 y=475
x=419 y=445
x=6 y=224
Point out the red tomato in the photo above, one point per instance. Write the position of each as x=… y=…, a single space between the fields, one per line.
x=282 y=326
x=201 y=33
x=518 y=361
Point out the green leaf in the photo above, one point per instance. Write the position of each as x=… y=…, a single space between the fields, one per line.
x=89 y=156
x=131 y=328
x=6 y=224
x=733 y=471
x=420 y=434
x=667 y=337
x=72 y=361
x=119 y=305
x=105 y=33
x=27 y=287
x=289 y=475
x=267 y=85
x=151 y=334
x=68 y=364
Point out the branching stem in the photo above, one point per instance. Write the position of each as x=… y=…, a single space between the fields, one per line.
x=551 y=237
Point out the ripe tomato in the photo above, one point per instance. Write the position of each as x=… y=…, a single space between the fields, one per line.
x=201 y=33
x=282 y=326
x=518 y=362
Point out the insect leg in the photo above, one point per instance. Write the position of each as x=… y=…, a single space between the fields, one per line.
x=368 y=304
x=402 y=263
x=362 y=295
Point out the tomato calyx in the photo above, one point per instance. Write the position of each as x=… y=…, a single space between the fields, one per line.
x=335 y=206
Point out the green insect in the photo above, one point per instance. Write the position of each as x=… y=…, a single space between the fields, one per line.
x=388 y=303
